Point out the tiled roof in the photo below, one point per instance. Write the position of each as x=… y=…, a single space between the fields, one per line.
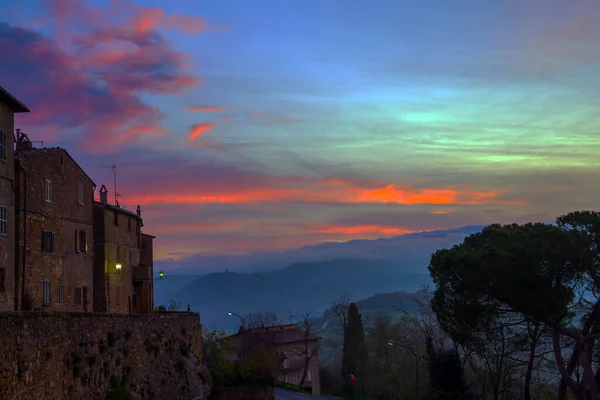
x=48 y=151
x=12 y=101
x=280 y=334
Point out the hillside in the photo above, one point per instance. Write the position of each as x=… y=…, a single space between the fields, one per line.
x=295 y=289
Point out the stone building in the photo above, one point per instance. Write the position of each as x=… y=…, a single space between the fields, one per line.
x=9 y=106
x=295 y=348
x=55 y=243
x=123 y=260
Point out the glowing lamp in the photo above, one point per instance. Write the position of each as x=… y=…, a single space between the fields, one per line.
x=229 y=313
x=118 y=266
x=161 y=274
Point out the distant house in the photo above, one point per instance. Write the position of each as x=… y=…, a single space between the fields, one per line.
x=55 y=248
x=9 y=106
x=123 y=260
x=291 y=345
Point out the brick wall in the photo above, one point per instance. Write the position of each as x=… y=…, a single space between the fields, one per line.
x=77 y=355
x=68 y=268
x=7 y=199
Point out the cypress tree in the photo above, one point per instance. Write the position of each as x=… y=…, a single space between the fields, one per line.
x=355 y=358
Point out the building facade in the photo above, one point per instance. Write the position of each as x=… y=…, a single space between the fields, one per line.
x=9 y=106
x=55 y=247
x=143 y=283
x=123 y=260
x=295 y=348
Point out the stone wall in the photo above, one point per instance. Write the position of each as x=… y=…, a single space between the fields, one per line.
x=53 y=355
x=7 y=199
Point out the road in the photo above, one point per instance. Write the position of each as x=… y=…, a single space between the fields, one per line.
x=281 y=394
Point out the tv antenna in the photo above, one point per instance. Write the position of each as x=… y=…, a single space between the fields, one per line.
x=114 y=168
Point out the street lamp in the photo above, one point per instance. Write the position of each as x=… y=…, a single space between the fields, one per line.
x=240 y=317
x=161 y=274
x=118 y=266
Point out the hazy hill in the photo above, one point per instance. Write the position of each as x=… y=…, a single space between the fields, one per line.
x=410 y=249
x=294 y=289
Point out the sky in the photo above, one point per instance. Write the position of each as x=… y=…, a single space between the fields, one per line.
x=242 y=126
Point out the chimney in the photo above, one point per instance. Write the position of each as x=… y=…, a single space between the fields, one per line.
x=138 y=211
x=103 y=195
x=23 y=142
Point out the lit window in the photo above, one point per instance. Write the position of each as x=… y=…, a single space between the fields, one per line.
x=48 y=191
x=61 y=293
x=2 y=145
x=46 y=292
x=80 y=192
x=3 y=221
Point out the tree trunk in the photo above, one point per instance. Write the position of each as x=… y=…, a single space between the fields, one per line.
x=526 y=389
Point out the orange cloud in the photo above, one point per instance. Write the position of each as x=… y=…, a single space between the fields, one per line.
x=200 y=129
x=362 y=229
x=205 y=108
x=271 y=189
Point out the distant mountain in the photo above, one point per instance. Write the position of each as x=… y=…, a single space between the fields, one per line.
x=295 y=289
x=406 y=248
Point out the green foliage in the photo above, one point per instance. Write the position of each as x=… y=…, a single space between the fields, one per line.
x=260 y=367
x=292 y=388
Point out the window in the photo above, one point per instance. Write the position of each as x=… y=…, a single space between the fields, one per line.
x=46 y=292
x=2 y=145
x=48 y=242
x=137 y=227
x=82 y=241
x=129 y=224
x=61 y=293
x=76 y=241
x=80 y=192
x=48 y=191
x=309 y=377
x=85 y=297
x=3 y=221
x=116 y=218
x=78 y=296
x=2 y=280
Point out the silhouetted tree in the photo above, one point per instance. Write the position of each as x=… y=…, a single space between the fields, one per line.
x=446 y=376
x=536 y=271
x=355 y=357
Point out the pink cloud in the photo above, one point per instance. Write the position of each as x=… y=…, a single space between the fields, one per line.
x=85 y=86
x=200 y=129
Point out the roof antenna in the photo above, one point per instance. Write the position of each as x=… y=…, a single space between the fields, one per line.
x=114 y=168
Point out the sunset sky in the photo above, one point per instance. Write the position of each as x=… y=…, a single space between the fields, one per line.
x=251 y=125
